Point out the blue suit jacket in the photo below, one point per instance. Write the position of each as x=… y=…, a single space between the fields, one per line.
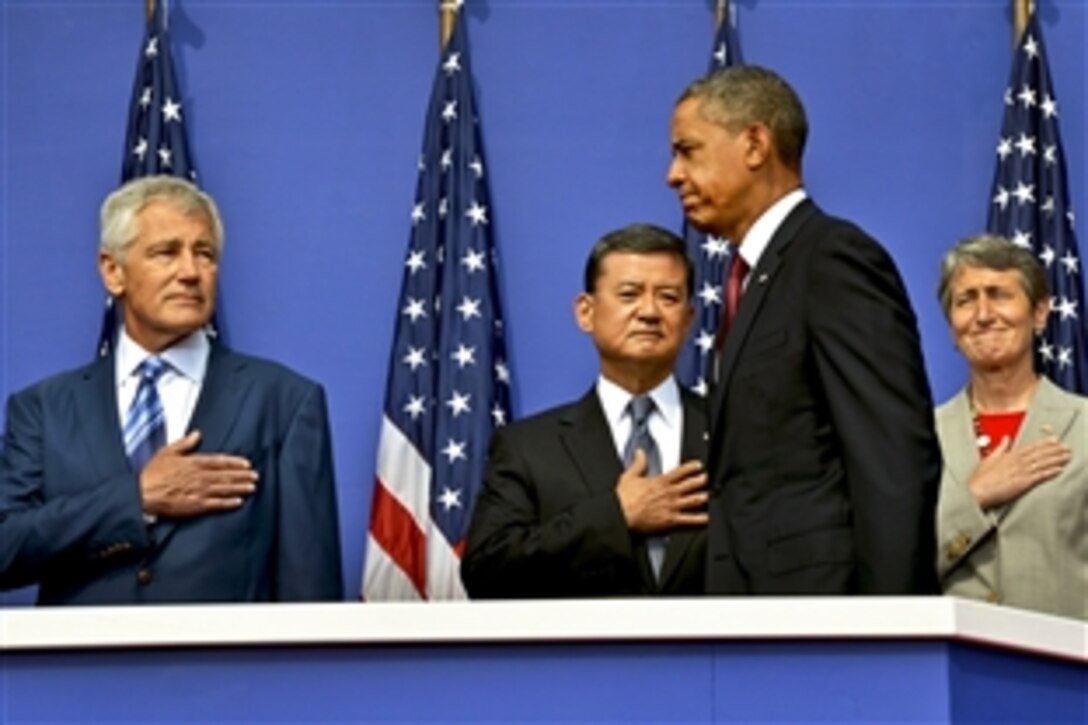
x=70 y=513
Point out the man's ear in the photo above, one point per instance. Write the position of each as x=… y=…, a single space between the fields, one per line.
x=583 y=312
x=690 y=318
x=758 y=145
x=113 y=274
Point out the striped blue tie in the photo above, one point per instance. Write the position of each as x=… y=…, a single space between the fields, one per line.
x=145 y=427
x=640 y=409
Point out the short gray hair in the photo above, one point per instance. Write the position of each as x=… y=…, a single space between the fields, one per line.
x=119 y=210
x=741 y=95
x=989 y=251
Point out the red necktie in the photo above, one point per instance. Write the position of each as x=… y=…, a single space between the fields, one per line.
x=734 y=286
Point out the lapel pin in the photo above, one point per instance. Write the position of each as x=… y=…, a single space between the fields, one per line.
x=763 y=278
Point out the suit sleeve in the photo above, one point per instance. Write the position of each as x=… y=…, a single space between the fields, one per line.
x=961 y=524
x=515 y=552
x=869 y=364
x=308 y=538
x=49 y=524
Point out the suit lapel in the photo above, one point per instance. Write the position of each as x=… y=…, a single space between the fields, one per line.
x=96 y=408
x=588 y=440
x=693 y=446
x=217 y=410
x=760 y=282
x=220 y=402
x=587 y=437
x=959 y=444
x=1048 y=416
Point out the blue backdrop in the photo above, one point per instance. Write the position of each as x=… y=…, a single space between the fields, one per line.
x=306 y=121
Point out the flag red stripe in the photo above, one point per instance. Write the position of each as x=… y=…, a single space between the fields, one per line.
x=393 y=527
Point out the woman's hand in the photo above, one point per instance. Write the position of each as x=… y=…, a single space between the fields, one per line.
x=1006 y=474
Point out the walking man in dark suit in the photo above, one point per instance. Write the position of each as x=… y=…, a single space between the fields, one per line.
x=605 y=496
x=171 y=470
x=823 y=461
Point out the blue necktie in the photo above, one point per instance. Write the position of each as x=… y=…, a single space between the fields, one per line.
x=640 y=408
x=145 y=426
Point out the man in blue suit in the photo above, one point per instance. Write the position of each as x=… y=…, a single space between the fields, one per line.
x=172 y=470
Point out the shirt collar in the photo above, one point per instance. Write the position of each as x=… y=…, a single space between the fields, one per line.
x=759 y=235
x=187 y=357
x=614 y=400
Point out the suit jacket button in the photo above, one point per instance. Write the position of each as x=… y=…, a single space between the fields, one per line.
x=958 y=545
x=144 y=576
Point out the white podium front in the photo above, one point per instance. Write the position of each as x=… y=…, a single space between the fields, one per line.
x=929 y=659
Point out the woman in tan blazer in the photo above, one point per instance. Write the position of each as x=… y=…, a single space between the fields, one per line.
x=1012 y=520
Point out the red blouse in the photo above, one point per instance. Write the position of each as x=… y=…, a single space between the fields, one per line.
x=992 y=428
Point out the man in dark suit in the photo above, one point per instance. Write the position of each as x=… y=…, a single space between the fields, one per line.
x=824 y=465
x=171 y=470
x=605 y=496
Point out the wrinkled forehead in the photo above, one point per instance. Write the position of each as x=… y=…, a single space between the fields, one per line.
x=968 y=275
x=162 y=212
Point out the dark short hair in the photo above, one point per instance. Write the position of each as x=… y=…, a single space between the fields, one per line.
x=989 y=251
x=741 y=95
x=638 y=239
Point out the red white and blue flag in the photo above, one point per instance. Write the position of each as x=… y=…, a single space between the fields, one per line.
x=449 y=384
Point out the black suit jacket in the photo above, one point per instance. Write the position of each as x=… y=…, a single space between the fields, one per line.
x=824 y=463
x=70 y=512
x=548 y=522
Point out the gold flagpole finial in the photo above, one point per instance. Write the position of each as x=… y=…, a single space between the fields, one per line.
x=1021 y=10
x=447 y=11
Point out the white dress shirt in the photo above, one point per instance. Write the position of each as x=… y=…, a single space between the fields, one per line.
x=178 y=386
x=666 y=422
x=759 y=235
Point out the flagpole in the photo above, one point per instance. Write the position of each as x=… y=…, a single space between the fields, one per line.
x=150 y=9
x=1022 y=10
x=447 y=10
x=720 y=12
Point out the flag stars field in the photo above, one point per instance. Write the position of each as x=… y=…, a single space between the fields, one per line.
x=464 y=356
x=473 y=261
x=415 y=358
x=469 y=308
x=171 y=111
x=414 y=309
x=415 y=261
x=1028 y=126
x=477 y=213
x=450 y=498
x=458 y=403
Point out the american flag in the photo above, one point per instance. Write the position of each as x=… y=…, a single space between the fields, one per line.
x=710 y=254
x=155 y=140
x=448 y=381
x=1030 y=206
